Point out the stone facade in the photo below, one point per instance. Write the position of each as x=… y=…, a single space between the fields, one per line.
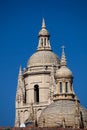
x=45 y=92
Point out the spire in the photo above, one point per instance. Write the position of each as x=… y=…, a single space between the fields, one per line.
x=20 y=71
x=63 y=57
x=20 y=87
x=43 y=23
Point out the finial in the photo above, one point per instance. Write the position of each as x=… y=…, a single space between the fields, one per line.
x=63 y=58
x=43 y=23
x=63 y=47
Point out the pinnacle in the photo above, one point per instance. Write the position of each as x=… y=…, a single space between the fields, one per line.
x=63 y=58
x=43 y=23
x=20 y=71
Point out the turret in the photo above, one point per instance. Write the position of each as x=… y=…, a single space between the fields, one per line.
x=64 y=81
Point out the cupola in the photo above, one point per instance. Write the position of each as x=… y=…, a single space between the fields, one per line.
x=44 y=56
x=64 y=81
x=44 y=43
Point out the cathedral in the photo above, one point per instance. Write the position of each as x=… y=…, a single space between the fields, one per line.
x=45 y=94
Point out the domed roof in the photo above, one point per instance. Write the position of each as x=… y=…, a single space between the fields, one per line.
x=41 y=58
x=44 y=31
x=63 y=72
x=61 y=111
x=44 y=56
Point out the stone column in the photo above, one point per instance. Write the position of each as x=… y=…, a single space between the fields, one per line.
x=63 y=87
x=43 y=42
x=69 y=87
x=58 y=87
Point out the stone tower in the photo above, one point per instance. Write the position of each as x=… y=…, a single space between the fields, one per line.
x=36 y=83
x=45 y=94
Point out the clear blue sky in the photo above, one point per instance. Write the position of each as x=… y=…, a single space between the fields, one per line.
x=20 y=22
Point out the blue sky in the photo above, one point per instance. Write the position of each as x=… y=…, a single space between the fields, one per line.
x=20 y=22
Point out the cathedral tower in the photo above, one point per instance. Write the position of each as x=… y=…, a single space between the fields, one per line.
x=45 y=94
x=36 y=83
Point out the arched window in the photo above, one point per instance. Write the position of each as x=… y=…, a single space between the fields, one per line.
x=60 y=87
x=66 y=87
x=36 y=93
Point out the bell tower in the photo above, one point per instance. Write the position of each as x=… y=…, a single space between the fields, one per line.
x=35 y=82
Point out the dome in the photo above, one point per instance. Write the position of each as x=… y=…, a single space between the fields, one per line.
x=41 y=58
x=63 y=72
x=62 y=111
x=43 y=32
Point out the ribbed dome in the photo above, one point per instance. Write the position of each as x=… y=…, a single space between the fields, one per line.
x=41 y=58
x=59 y=111
x=63 y=72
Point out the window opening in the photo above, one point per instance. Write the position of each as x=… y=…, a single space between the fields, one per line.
x=36 y=93
x=45 y=41
x=66 y=87
x=60 y=87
